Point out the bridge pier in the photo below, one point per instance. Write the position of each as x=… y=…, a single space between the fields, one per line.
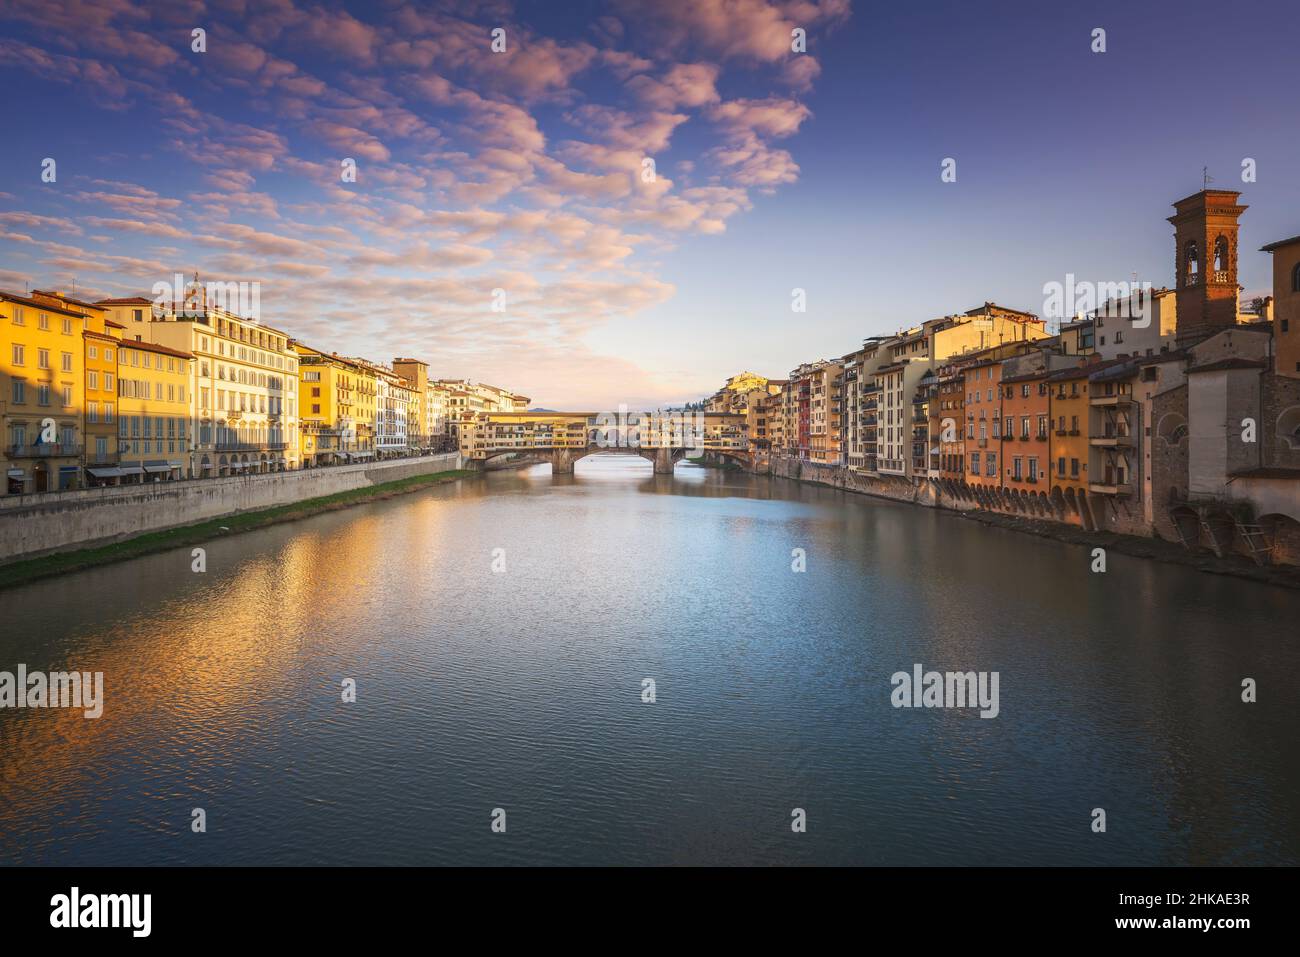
x=663 y=459
x=562 y=460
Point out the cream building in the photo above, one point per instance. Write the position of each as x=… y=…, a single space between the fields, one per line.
x=244 y=401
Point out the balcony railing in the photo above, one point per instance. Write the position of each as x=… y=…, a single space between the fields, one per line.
x=40 y=450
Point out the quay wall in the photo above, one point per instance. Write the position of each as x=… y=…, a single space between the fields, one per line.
x=40 y=524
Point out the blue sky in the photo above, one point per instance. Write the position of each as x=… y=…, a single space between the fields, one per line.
x=521 y=171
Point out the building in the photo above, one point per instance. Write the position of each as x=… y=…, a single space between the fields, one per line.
x=336 y=408
x=1205 y=247
x=1285 y=306
x=99 y=388
x=825 y=412
x=155 y=412
x=419 y=426
x=1070 y=417
x=42 y=393
x=244 y=399
x=1144 y=325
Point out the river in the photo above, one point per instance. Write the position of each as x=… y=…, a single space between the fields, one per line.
x=499 y=632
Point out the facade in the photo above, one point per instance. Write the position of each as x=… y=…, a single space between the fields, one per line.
x=1285 y=306
x=99 y=387
x=244 y=399
x=1070 y=417
x=42 y=393
x=419 y=421
x=155 y=413
x=1143 y=326
x=335 y=408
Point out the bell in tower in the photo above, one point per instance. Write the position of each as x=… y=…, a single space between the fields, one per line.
x=1205 y=263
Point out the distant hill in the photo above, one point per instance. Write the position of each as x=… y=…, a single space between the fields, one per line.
x=553 y=411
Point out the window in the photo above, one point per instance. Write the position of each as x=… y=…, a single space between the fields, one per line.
x=67 y=362
x=20 y=392
x=67 y=327
x=19 y=355
x=993 y=464
x=1060 y=465
x=1295 y=278
x=92 y=351
x=1015 y=468
x=43 y=320
x=1033 y=469
x=108 y=355
x=92 y=380
x=42 y=394
x=67 y=396
x=108 y=382
x=42 y=358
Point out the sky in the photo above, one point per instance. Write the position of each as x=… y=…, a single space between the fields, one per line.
x=519 y=179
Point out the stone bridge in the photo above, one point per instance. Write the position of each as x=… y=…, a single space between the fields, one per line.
x=561 y=438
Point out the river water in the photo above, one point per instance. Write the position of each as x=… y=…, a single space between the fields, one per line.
x=499 y=632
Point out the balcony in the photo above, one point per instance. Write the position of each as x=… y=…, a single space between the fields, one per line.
x=1111 y=440
x=1110 y=488
x=1111 y=400
x=41 y=450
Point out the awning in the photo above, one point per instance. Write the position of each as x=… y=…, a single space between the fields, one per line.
x=69 y=468
x=17 y=473
x=113 y=472
x=131 y=470
x=157 y=465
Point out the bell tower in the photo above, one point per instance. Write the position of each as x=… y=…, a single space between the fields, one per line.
x=1205 y=263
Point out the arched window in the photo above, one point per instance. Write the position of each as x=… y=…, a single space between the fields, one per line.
x=1220 y=257
x=1191 y=262
x=1295 y=278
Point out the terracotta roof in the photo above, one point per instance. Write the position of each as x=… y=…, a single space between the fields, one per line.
x=115 y=325
x=1279 y=244
x=154 y=347
x=132 y=301
x=37 y=304
x=65 y=298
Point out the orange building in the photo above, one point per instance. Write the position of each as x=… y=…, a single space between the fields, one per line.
x=1025 y=446
x=983 y=406
x=1068 y=395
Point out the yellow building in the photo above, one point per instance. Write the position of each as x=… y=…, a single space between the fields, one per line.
x=419 y=426
x=336 y=408
x=155 y=430
x=42 y=395
x=99 y=421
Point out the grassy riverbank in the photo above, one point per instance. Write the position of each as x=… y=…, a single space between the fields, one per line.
x=22 y=572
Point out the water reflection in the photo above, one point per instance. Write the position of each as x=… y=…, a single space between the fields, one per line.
x=521 y=689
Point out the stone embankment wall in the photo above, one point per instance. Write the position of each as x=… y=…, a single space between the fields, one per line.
x=33 y=525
